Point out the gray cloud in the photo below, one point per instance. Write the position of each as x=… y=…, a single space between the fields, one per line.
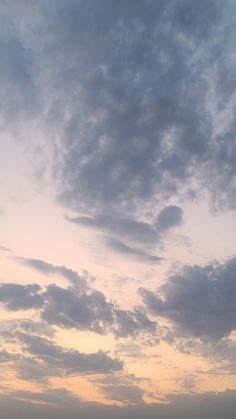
x=49 y=269
x=78 y=306
x=133 y=233
x=150 y=130
x=73 y=307
x=9 y=327
x=221 y=354
x=41 y=358
x=91 y=311
x=126 y=393
x=120 y=387
x=169 y=217
x=132 y=92
x=62 y=404
x=128 y=228
x=86 y=311
x=132 y=323
x=30 y=369
x=54 y=397
x=70 y=361
x=187 y=382
x=6 y=357
x=130 y=350
x=138 y=253
x=225 y=353
x=199 y=301
x=21 y=297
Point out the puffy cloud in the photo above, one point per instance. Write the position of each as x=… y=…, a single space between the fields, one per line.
x=150 y=131
x=86 y=311
x=169 y=217
x=132 y=92
x=132 y=323
x=142 y=139
x=49 y=269
x=40 y=358
x=69 y=361
x=199 y=301
x=91 y=311
x=21 y=297
x=77 y=306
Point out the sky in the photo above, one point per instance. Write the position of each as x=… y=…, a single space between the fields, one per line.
x=118 y=209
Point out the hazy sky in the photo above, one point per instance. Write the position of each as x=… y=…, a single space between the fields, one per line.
x=118 y=209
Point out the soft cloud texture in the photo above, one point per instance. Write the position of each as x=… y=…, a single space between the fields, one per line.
x=61 y=404
x=77 y=306
x=49 y=269
x=118 y=117
x=130 y=91
x=70 y=361
x=169 y=217
x=199 y=301
x=21 y=297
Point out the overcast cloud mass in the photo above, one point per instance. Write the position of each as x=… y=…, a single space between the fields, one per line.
x=117 y=211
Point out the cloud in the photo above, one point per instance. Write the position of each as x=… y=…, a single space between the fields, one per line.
x=133 y=95
x=128 y=228
x=92 y=311
x=171 y=216
x=62 y=404
x=133 y=323
x=30 y=369
x=120 y=161
x=50 y=397
x=49 y=269
x=142 y=129
x=85 y=311
x=40 y=358
x=137 y=253
x=126 y=393
x=6 y=357
x=120 y=388
x=73 y=308
x=5 y=249
x=221 y=354
x=131 y=237
x=187 y=382
x=9 y=327
x=199 y=301
x=70 y=361
x=21 y=297
x=130 y=350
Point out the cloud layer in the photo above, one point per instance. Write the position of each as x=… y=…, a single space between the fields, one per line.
x=199 y=301
x=132 y=93
x=61 y=404
x=77 y=306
